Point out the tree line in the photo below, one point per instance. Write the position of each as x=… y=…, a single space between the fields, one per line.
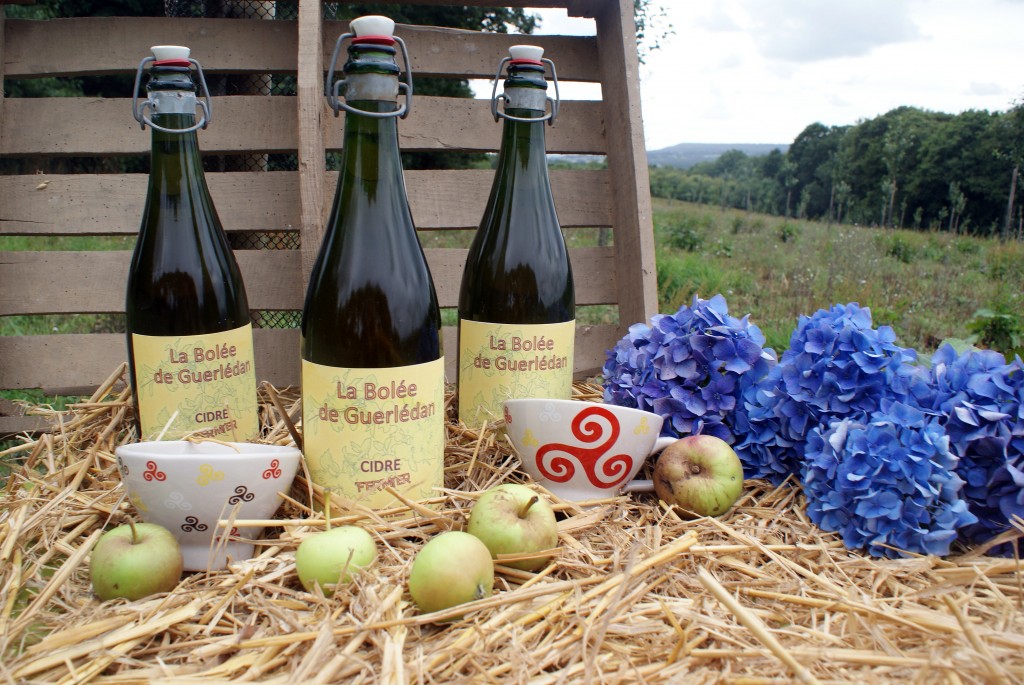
x=907 y=168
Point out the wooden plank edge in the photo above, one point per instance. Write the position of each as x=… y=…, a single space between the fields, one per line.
x=93 y=282
x=269 y=201
x=60 y=47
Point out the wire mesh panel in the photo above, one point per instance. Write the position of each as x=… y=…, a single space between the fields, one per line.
x=231 y=9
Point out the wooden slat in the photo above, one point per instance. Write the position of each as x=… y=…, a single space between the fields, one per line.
x=104 y=126
x=312 y=191
x=13 y=420
x=18 y=425
x=93 y=282
x=456 y=199
x=101 y=126
x=457 y=53
x=77 y=364
x=459 y=124
x=109 y=45
x=627 y=162
x=111 y=204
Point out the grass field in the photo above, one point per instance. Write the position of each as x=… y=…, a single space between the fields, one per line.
x=927 y=286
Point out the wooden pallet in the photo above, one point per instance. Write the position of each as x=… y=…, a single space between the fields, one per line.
x=61 y=282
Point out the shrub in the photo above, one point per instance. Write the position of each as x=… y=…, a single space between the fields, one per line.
x=997 y=331
x=900 y=248
x=967 y=246
x=788 y=231
x=684 y=233
x=722 y=248
x=936 y=251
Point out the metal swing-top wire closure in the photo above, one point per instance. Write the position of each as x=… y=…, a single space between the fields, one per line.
x=139 y=112
x=549 y=117
x=333 y=88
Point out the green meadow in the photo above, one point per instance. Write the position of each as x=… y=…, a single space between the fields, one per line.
x=929 y=286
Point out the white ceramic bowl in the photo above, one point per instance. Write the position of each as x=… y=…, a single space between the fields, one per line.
x=188 y=487
x=583 y=450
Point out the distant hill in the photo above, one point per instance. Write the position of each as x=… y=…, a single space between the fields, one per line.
x=685 y=155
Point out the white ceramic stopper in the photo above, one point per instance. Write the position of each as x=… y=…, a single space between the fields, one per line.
x=372 y=25
x=166 y=52
x=528 y=52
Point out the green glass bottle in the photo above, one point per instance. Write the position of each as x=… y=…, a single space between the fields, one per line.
x=190 y=346
x=372 y=363
x=517 y=303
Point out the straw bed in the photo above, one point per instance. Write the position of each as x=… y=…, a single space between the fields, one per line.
x=635 y=594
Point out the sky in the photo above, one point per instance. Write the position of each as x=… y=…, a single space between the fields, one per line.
x=760 y=71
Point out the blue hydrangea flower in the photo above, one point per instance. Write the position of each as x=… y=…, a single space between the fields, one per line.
x=886 y=482
x=687 y=367
x=981 y=400
x=837 y=366
x=762 y=447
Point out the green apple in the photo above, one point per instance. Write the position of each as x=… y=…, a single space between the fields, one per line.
x=451 y=569
x=135 y=560
x=513 y=519
x=334 y=557
x=700 y=475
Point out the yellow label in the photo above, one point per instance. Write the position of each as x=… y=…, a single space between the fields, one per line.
x=498 y=362
x=207 y=383
x=364 y=430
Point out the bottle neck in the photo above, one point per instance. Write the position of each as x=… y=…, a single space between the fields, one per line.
x=175 y=162
x=371 y=150
x=523 y=153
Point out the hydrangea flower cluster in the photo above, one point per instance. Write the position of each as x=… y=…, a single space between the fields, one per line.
x=892 y=456
x=837 y=365
x=687 y=367
x=981 y=401
x=764 y=449
x=885 y=482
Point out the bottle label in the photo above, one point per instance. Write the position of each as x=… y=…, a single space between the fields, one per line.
x=364 y=430
x=197 y=385
x=504 y=361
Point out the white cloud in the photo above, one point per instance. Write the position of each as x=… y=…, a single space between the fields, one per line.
x=718 y=19
x=977 y=88
x=812 y=30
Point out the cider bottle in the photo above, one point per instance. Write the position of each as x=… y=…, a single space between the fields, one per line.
x=373 y=409
x=516 y=303
x=190 y=346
